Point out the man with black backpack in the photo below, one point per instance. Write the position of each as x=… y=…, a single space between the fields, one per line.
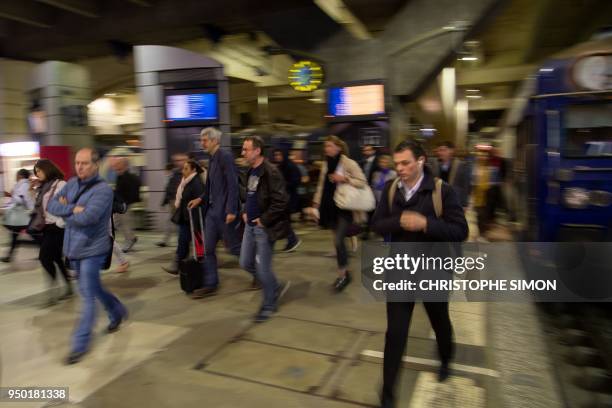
x=127 y=188
x=416 y=207
x=86 y=204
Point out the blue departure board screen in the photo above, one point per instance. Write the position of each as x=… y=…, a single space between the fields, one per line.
x=192 y=107
x=358 y=100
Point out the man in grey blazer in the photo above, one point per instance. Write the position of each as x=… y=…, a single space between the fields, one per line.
x=453 y=170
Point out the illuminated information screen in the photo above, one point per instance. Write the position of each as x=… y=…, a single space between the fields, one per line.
x=192 y=107
x=357 y=100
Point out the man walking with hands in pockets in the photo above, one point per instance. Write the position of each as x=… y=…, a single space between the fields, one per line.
x=266 y=220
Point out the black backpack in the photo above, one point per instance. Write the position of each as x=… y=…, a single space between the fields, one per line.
x=119 y=204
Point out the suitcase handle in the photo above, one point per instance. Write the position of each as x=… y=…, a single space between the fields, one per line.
x=193 y=243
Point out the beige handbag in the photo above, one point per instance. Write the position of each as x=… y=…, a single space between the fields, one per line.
x=349 y=197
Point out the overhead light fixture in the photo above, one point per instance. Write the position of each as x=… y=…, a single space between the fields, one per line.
x=16 y=149
x=468 y=59
x=427 y=129
x=472 y=90
x=547 y=69
x=474 y=96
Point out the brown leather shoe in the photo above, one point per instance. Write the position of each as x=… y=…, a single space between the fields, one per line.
x=203 y=292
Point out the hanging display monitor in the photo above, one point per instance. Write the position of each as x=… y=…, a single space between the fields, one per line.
x=187 y=107
x=356 y=102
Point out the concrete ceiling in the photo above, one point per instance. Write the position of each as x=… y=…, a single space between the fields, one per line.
x=70 y=30
x=521 y=36
x=100 y=33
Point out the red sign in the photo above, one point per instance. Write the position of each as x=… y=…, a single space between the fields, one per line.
x=61 y=156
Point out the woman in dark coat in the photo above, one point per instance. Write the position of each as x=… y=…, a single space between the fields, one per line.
x=338 y=168
x=50 y=227
x=190 y=188
x=293 y=177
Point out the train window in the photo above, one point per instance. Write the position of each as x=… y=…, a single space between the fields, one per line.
x=588 y=130
x=553 y=135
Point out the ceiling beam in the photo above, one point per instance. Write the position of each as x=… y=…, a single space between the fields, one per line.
x=340 y=13
x=489 y=104
x=142 y=3
x=33 y=14
x=87 y=8
x=489 y=76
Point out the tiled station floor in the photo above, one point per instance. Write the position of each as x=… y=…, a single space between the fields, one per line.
x=320 y=350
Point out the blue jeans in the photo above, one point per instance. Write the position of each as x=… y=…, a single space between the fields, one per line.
x=90 y=286
x=215 y=229
x=256 y=258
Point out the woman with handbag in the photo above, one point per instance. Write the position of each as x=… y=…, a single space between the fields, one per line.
x=338 y=170
x=190 y=188
x=49 y=226
x=17 y=215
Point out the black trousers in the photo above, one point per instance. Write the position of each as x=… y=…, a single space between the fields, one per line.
x=51 y=244
x=399 y=315
x=14 y=243
x=343 y=222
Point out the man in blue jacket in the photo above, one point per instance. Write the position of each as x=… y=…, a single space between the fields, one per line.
x=85 y=204
x=221 y=203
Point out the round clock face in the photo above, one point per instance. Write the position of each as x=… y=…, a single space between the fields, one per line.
x=305 y=76
x=594 y=72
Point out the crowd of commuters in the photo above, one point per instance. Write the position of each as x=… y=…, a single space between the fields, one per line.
x=74 y=222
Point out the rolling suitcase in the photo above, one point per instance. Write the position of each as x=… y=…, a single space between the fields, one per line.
x=191 y=270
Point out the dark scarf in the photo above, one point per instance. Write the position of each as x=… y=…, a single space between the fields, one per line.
x=43 y=189
x=327 y=210
x=39 y=212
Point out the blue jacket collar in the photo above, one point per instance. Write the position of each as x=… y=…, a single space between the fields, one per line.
x=92 y=179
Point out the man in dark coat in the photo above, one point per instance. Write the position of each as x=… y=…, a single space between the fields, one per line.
x=369 y=165
x=454 y=171
x=412 y=217
x=221 y=202
x=127 y=188
x=266 y=220
x=175 y=175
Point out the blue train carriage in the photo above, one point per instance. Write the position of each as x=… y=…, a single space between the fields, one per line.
x=564 y=147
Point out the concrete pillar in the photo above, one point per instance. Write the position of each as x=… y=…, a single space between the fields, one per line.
x=448 y=94
x=63 y=92
x=157 y=67
x=399 y=122
x=263 y=106
x=14 y=101
x=462 y=114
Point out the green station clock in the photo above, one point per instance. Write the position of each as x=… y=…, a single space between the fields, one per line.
x=305 y=76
